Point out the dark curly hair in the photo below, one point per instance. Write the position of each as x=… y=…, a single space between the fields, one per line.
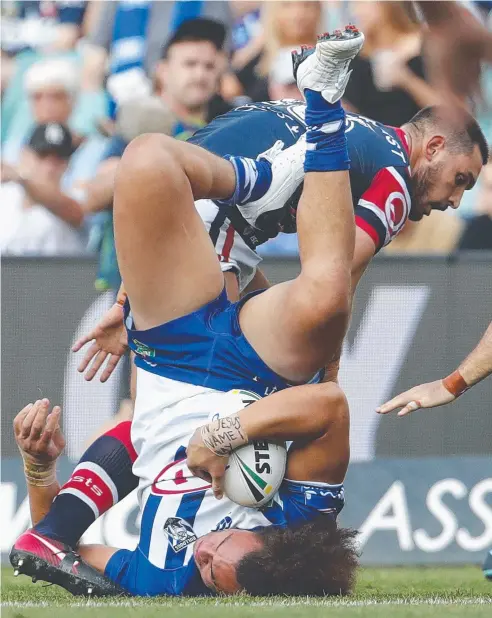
x=316 y=558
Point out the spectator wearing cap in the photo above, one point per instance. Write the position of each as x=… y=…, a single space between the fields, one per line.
x=36 y=217
x=51 y=87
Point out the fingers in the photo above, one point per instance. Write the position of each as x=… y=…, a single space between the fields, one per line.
x=80 y=343
x=29 y=419
x=217 y=486
x=397 y=402
x=96 y=365
x=18 y=420
x=89 y=355
x=52 y=424
x=39 y=421
x=111 y=365
x=410 y=407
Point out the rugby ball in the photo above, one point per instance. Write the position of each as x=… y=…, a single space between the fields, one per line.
x=255 y=471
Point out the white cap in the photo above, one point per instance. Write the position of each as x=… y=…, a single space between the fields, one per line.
x=52 y=72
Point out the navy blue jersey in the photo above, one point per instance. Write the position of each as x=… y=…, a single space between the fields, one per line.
x=379 y=172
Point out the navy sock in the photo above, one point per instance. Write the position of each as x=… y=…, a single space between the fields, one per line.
x=326 y=141
x=102 y=478
x=253 y=179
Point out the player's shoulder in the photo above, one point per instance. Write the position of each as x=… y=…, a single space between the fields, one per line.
x=373 y=145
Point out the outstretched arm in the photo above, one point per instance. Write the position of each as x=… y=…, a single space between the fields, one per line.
x=476 y=366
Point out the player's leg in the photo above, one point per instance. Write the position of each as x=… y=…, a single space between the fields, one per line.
x=101 y=479
x=296 y=327
x=166 y=258
x=164 y=252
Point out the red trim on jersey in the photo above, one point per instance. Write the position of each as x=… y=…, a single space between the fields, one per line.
x=389 y=195
x=369 y=230
x=229 y=241
x=122 y=432
x=402 y=136
x=92 y=486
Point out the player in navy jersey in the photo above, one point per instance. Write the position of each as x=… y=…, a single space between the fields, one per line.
x=296 y=327
x=396 y=174
x=193 y=346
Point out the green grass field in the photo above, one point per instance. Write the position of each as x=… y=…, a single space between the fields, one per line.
x=382 y=593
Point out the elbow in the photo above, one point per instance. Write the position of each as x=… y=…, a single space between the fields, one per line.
x=332 y=409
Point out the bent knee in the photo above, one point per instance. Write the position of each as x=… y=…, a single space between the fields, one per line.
x=147 y=151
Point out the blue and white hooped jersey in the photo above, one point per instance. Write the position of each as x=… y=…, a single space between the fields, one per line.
x=178 y=508
x=379 y=172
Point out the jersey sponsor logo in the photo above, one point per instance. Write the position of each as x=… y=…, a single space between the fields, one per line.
x=262 y=457
x=179 y=532
x=389 y=199
x=176 y=478
x=396 y=212
x=142 y=349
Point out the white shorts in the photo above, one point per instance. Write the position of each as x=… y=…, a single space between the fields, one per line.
x=234 y=254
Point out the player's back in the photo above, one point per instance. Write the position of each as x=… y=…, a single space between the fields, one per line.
x=252 y=129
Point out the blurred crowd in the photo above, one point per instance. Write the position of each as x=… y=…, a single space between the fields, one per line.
x=79 y=80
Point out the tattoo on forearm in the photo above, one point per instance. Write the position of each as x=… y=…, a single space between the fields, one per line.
x=224 y=435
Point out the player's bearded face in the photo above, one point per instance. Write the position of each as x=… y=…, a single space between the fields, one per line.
x=217 y=555
x=425 y=190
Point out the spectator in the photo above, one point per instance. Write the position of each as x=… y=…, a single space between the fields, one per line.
x=46 y=26
x=187 y=77
x=129 y=36
x=51 y=87
x=478 y=230
x=281 y=82
x=147 y=115
x=36 y=217
x=387 y=82
x=287 y=24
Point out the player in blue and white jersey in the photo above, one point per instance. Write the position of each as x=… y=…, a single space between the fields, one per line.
x=185 y=547
x=193 y=346
x=396 y=174
x=290 y=330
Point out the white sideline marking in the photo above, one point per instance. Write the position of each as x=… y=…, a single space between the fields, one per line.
x=483 y=600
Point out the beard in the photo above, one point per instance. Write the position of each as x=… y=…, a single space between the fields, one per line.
x=422 y=182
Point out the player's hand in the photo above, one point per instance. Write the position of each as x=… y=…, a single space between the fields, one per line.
x=427 y=395
x=109 y=339
x=202 y=462
x=37 y=432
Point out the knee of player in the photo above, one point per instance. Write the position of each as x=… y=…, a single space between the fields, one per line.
x=327 y=299
x=316 y=558
x=149 y=151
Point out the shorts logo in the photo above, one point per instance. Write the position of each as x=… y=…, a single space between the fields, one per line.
x=179 y=532
x=143 y=350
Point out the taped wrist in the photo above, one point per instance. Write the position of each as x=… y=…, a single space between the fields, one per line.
x=455 y=383
x=224 y=435
x=39 y=474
